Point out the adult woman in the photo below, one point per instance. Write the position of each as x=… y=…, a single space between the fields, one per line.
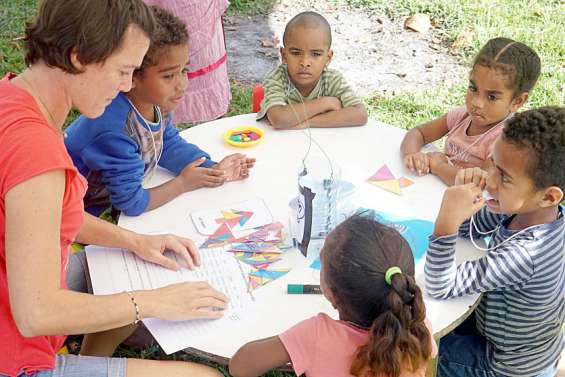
x=79 y=53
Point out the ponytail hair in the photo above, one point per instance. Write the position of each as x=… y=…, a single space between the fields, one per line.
x=399 y=338
x=357 y=255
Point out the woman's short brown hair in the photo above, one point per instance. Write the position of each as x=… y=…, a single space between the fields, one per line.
x=92 y=28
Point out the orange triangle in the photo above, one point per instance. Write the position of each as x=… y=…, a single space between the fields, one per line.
x=391 y=185
x=405 y=182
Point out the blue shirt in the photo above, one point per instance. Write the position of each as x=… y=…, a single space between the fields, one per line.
x=119 y=149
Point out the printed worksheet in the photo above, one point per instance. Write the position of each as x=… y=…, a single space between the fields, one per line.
x=118 y=270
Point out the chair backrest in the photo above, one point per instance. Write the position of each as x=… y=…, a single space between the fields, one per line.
x=256 y=97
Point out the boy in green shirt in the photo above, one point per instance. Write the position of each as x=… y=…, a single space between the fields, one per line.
x=302 y=92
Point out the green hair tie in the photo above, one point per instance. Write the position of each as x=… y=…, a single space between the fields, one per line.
x=390 y=273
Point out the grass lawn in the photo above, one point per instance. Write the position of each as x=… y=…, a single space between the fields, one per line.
x=534 y=22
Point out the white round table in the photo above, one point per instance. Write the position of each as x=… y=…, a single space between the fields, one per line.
x=359 y=152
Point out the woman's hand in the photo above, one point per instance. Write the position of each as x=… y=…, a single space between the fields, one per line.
x=182 y=301
x=152 y=247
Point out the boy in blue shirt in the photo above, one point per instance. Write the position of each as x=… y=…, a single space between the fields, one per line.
x=517 y=326
x=119 y=150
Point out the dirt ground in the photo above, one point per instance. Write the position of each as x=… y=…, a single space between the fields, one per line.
x=376 y=54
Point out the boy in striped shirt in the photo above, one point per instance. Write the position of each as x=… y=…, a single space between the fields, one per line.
x=302 y=92
x=517 y=327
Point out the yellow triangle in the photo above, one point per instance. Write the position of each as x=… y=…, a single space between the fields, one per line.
x=230 y=215
x=391 y=185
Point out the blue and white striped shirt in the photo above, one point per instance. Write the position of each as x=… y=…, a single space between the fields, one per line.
x=523 y=281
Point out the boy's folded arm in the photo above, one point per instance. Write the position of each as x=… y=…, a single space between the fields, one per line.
x=355 y=115
x=246 y=363
x=507 y=265
x=288 y=116
x=178 y=153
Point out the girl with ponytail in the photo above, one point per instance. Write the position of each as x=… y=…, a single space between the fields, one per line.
x=367 y=274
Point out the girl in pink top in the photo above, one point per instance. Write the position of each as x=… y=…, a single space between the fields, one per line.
x=503 y=74
x=368 y=276
x=208 y=94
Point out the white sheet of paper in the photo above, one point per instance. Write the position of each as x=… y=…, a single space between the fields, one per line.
x=118 y=270
x=205 y=220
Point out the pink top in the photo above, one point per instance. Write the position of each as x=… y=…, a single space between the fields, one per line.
x=323 y=347
x=467 y=151
x=31 y=147
x=208 y=94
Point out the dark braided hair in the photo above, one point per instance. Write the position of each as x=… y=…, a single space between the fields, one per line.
x=542 y=133
x=515 y=60
x=170 y=31
x=357 y=255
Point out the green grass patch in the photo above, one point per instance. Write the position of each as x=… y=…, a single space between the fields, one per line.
x=539 y=24
x=251 y=7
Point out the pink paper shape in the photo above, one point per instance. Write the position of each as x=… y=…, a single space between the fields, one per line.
x=383 y=174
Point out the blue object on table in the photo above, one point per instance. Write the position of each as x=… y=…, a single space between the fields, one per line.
x=316 y=265
x=415 y=231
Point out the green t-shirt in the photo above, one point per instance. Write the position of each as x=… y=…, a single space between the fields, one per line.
x=279 y=90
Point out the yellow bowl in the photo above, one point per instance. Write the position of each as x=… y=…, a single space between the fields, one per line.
x=243 y=144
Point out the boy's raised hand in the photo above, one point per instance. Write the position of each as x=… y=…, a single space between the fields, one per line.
x=418 y=163
x=475 y=175
x=459 y=203
x=235 y=166
x=194 y=176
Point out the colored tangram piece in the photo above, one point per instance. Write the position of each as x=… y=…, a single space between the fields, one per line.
x=221 y=237
x=234 y=217
x=391 y=185
x=269 y=233
x=255 y=247
x=383 y=174
x=405 y=182
x=258 y=278
x=258 y=261
x=384 y=179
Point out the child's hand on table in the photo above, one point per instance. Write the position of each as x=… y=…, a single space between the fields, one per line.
x=332 y=103
x=235 y=166
x=194 y=176
x=436 y=159
x=418 y=163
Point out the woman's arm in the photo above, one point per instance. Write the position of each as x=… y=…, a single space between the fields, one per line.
x=40 y=306
x=257 y=357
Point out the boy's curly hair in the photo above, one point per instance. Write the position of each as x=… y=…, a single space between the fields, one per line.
x=515 y=60
x=542 y=133
x=169 y=31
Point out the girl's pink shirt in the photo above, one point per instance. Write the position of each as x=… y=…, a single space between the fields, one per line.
x=467 y=151
x=323 y=347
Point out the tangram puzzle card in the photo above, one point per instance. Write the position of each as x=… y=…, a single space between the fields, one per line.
x=384 y=179
x=258 y=278
x=237 y=217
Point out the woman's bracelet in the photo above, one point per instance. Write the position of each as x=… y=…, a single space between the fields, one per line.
x=137 y=315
